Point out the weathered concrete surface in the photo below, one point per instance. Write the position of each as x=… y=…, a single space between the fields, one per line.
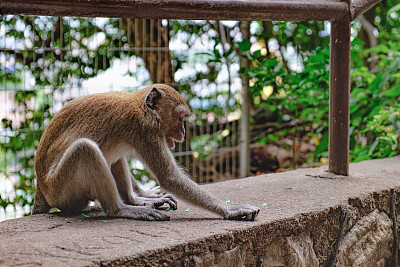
x=300 y=227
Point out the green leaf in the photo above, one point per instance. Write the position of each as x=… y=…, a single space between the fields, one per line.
x=381 y=48
x=393 y=92
x=393 y=9
x=257 y=53
x=244 y=45
x=373 y=146
x=362 y=158
x=323 y=144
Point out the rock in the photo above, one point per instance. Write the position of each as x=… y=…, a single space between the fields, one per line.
x=291 y=251
x=368 y=243
x=297 y=226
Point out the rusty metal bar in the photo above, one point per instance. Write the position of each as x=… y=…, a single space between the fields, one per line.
x=340 y=13
x=339 y=94
x=358 y=7
x=245 y=108
x=299 y=10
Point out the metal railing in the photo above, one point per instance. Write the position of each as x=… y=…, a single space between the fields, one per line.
x=339 y=12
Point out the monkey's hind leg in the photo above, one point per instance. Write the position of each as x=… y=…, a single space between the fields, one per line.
x=40 y=204
x=132 y=194
x=83 y=174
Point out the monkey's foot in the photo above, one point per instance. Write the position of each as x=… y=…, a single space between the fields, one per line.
x=153 y=193
x=157 y=202
x=242 y=212
x=141 y=213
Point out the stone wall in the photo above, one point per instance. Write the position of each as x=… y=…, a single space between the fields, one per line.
x=313 y=219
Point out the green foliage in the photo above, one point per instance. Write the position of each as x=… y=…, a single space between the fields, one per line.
x=384 y=130
x=298 y=95
x=301 y=95
x=375 y=101
x=206 y=63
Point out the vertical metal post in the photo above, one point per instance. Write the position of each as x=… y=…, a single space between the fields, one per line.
x=244 y=122
x=339 y=94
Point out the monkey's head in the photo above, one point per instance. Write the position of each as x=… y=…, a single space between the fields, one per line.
x=172 y=110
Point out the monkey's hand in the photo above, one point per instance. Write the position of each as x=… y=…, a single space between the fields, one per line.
x=152 y=193
x=156 y=192
x=241 y=212
x=157 y=202
x=140 y=213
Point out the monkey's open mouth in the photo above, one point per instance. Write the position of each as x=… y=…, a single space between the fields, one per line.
x=170 y=142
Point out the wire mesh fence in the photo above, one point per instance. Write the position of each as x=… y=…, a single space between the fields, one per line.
x=47 y=61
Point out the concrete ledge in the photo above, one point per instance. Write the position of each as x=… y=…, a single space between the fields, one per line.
x=314 y=219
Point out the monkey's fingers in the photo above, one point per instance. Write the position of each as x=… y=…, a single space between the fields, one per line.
x=142 y=213
x=155 y=192
x=156 y=189
x=245 y=217
x=161 y=193
x=172 y=203
x=171 y=200
x=243 y=213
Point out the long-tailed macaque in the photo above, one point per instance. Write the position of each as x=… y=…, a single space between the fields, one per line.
x=81 y=157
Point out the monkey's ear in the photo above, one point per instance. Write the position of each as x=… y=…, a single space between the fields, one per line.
x=153 y=98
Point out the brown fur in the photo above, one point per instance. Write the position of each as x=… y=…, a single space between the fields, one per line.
x=81 y=156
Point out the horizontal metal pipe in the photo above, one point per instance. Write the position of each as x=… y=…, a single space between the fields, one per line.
x=358 y=7
x=299 y=10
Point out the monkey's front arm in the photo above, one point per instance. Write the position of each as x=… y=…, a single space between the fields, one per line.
x=174 y=180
